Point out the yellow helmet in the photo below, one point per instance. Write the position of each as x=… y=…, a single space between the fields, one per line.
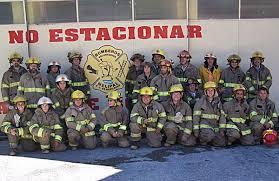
x=257 y=54
x=176 y=88
x=15 y=55
x=74 y=54
x=114 y=95
x=78 y=95
x=19 y=98
x=146 y=91
x=159 y=52
x=33 y=60
x=239 y=87
x=234 y=57
x=210 y=84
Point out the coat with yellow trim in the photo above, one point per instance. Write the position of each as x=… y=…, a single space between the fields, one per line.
x=171 y=110
x=237 y=114
x=10 y=82
x=61 y=100
x=42 y=122
x=263 y=112
x=209 y=113
x=154 y=112
x=257 y=78
x=207 y=75
x=131 y=78
x=78 y=118
x=229 y=78
x=78 y=80
x=33 y=87
x=11 y=121
x=184 y=74
x=162 y=85
x=114 y=119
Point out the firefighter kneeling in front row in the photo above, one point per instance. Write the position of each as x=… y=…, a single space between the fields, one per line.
x=147 y=116
x=81 y=122
x=16 y=128
x=208 y=117
x=179 y=119
x=236 y=112
x=114 y=120
x=46 y=128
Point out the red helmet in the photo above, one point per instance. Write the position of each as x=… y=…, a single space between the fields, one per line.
x=269 y=137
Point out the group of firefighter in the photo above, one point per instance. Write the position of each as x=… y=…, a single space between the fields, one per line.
x=181 y=104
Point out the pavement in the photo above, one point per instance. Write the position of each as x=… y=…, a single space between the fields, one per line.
x=175 y=163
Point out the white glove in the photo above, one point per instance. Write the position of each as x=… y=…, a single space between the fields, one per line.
x=17 y=120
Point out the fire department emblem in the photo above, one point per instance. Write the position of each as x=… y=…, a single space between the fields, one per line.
x=106 y=68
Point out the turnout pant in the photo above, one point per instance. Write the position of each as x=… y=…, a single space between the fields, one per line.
x=106 y=138
x=87 y=140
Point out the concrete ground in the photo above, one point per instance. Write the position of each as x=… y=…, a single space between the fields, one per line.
x=176 y=163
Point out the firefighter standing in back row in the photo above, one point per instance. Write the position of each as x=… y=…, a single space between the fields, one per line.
x=230 y=77
x=263 y=114
x=257 y=76
x=208 y=118
x=15 y=126
x=53 y=70
x=114 y=121
x=76 y=74
x=237 y=114
x=147 y=116
x=81 y=122
x=46 y=128
x=134 y=71
x=185 y=70
x=11 y=77
x=179 y=119
x=157 y=56
x=33 y=84
x=162 y=82
x=143 y=80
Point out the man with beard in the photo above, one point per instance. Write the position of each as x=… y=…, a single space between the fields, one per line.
x=236 y=113
x=33 y=84
x=11 y=77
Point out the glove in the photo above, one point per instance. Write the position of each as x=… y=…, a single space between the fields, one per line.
x=120 y=134
x=84 y=130
x=158 y=131
x=145 y=121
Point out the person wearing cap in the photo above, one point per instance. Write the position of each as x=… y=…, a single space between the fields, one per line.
x=76 y=74
x=263 y=114
x=53 y=70
x=46 y=128
x=192 y=93
x=134 y=71
x=61 y=97
x=185 y=70
x=209 y=122
x=162 y=82
x=179 y=125
x=16 y=128
x=81 y=122
x=33 y=84
x=11 y=77
x=210 y=70
x=114 y=121
x=143 y=80
x=230 y=77
x=237 y=114
x=149 y=117
x=157 y=56
x=257 y=76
